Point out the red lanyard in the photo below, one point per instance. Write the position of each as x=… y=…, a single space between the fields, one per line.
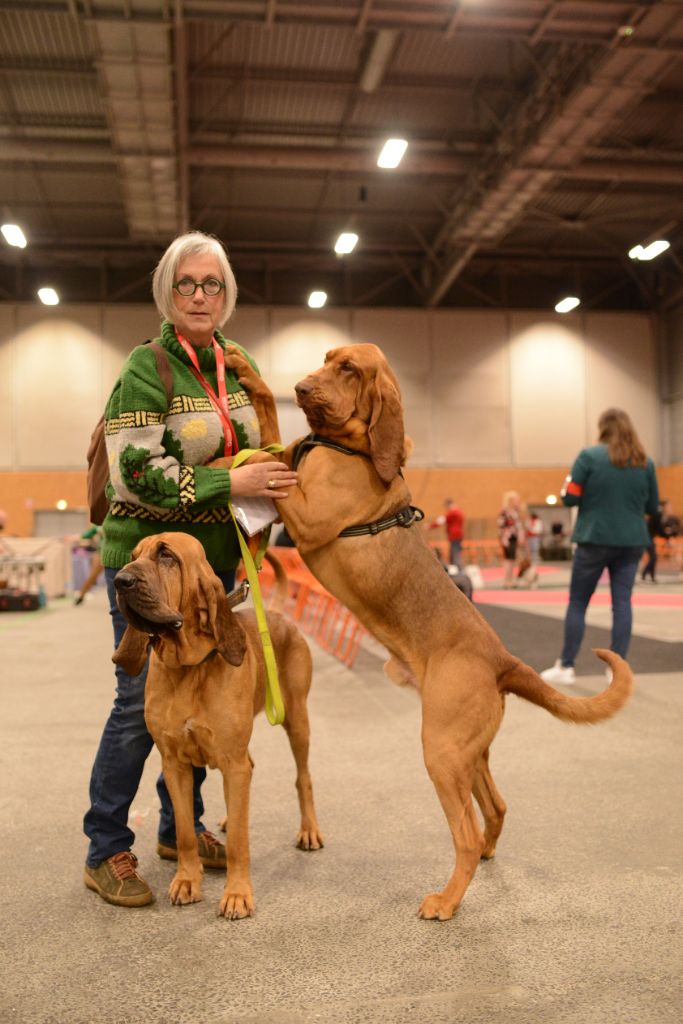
x=218 y=401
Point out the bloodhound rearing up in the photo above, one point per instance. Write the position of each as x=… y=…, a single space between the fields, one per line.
x=437 y=640
x=205 y=684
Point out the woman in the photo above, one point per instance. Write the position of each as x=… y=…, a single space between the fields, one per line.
x=510 y=535
x=160 y=481
x=614 y=486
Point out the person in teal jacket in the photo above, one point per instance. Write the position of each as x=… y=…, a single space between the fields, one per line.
x=614 y=486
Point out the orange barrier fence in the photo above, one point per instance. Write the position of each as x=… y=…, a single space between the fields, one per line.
x=317 y=612
x=488 y=552
x=477 y=552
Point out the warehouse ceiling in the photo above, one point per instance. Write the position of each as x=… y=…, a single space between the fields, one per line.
x=545 y=141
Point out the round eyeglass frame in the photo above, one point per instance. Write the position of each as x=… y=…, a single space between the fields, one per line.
x=186 y=281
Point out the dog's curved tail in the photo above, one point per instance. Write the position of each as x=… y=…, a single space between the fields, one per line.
x=524 y=682
x=279 y=597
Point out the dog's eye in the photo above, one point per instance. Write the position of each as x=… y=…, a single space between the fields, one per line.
x=348 y=368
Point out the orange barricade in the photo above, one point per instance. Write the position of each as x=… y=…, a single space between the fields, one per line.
x=316 y=611
x=479 y=552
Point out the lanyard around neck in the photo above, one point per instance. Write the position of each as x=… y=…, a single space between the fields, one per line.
x=218 y=401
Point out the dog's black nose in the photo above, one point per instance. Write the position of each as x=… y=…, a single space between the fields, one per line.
x=302 y=388
x=124 y=580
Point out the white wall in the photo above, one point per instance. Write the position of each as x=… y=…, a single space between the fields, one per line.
x=480 y=388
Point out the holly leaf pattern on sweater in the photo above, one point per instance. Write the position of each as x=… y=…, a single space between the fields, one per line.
x=150 y=483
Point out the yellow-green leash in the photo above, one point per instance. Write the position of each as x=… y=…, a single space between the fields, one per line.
x=275 y=709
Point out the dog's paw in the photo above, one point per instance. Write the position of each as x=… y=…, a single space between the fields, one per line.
x=435 y=908
x=309 y=839
x=246 y=374
x=236 y=905
x=184 y=890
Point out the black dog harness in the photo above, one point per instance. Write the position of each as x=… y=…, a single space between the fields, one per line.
x=405 y=517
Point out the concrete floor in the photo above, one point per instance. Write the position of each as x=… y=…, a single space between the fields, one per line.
x=576 y=920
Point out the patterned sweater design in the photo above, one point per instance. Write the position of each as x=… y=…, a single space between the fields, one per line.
x=158 y=454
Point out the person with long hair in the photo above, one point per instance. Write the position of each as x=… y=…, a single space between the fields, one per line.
x=510 y=535
x=613 y=483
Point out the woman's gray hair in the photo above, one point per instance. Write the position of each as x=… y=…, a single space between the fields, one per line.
x=194 y=243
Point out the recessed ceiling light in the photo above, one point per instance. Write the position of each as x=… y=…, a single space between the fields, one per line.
x=48 y=296
x=14 y=235
x=568 y=304
x=392 y=153
x=316 y=300
x=346 y=243
x=551 y=499
x=62 y=504
x=649 y=252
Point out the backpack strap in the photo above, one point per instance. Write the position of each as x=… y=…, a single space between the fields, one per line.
x=163 y=368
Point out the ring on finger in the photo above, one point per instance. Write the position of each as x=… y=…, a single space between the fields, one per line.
x=270 y=485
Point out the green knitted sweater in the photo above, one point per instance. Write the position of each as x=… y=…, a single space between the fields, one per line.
x=159 y=480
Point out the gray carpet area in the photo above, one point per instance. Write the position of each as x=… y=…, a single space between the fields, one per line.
x=576 y=921
x=537 y=640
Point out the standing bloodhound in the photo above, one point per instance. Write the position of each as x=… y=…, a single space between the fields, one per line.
x=349 y=476
x=206 y=682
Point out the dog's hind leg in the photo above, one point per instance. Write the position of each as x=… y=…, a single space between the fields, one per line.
x=453 y=789
x=296 y=669
x=456 y=730
x=298 y=732
x=492 y=805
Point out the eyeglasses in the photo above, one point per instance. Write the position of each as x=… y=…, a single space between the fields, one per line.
x=187 y=287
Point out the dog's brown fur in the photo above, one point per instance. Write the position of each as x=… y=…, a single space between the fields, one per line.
x=438 y=641
x=205 y=684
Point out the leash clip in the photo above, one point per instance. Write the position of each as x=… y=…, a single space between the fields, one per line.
x=405 y=517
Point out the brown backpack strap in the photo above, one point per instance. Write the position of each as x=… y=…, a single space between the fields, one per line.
x=163 y=369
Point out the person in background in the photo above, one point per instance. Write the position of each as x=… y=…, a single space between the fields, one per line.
x=92 y=536
x=670 y=525
x=161 y=481
x=613 y=483
x=454 y=521
x=533 y=528
x=654 y=526
x=510 y=535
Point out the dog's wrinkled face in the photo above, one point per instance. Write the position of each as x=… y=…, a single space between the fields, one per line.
x=170 y=592
x=148 y=588
x=355 y=399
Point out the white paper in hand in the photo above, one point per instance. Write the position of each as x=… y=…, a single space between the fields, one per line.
x=254 y=514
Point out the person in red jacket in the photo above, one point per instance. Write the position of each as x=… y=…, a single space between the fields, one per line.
x=454 y=521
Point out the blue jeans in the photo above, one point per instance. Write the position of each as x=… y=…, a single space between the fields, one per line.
x=121 y=757
x=456 y=553
x=589 y=562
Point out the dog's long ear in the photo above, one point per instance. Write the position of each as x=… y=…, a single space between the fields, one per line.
x=385 y=430
x=216 y=617
x=131 y=654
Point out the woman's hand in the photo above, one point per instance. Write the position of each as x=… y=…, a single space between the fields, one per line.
x=261 y=480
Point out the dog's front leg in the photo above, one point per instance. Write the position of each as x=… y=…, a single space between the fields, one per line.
x=186 y=886
x=260 y=394
x=238 y=897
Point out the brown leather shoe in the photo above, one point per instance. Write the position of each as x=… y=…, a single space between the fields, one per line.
x=117 y=881
x=211 y=851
